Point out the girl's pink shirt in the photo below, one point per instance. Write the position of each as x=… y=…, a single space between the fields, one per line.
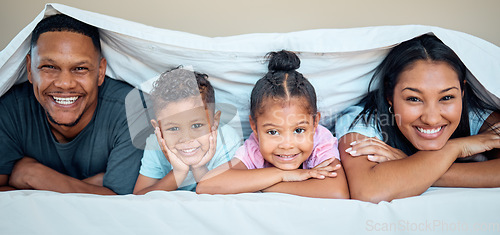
x=325 y=147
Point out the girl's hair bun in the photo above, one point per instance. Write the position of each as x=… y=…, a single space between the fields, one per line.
x=283 y=61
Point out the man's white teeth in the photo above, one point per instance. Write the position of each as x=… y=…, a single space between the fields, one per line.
x=427 y=131
x=189 y=150
x=65 y=100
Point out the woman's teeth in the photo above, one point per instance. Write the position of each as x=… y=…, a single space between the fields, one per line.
x=429 y=131
x=65 y=100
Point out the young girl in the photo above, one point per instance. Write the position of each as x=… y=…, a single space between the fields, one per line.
x=288 y=151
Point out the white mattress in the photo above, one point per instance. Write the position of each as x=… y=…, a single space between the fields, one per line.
x=437 y=211
x=338 y=62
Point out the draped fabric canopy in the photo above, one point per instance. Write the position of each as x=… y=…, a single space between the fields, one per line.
x=338 y=62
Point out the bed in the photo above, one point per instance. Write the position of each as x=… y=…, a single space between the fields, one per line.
x=338 y=62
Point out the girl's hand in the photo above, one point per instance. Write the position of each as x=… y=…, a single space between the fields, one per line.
x=177 y=164
x=321 y=171
x=376 y=150
x=479 y=143
x=211 y=150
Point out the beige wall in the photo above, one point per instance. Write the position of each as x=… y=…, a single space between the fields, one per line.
x=230 y=17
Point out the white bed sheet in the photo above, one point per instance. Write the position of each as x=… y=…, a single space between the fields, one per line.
x=437 y=211
x=339 y=63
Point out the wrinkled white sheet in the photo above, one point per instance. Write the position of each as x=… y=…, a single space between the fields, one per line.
x=339 y=63
x=437 y=211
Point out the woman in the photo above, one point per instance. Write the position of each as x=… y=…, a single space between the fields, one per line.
x=406 y=135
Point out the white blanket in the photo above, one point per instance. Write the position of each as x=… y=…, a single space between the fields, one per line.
x=437 y=211
x=338 y=62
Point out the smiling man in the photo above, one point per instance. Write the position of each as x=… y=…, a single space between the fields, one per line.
x=66 y=128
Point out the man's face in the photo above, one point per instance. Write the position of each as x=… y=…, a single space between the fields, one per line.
x=66 y=71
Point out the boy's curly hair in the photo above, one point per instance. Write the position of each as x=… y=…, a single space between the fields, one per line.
x=178 y=84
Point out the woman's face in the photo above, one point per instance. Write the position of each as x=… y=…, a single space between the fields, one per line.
x=427 y=103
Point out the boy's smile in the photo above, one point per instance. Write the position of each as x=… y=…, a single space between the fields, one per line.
x=185 y=127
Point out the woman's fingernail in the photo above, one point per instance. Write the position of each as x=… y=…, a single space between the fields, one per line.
x=338 y=165
x=348 y=150
x=371 y=157
x=353 y=143
x=353 y=152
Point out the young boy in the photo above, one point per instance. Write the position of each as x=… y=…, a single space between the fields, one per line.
x=187 y=142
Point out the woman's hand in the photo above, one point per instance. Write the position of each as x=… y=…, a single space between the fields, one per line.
x=479 y=143
x=321 y=171
x=376 y=150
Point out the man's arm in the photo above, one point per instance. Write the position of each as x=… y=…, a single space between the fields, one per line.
x=4 y=180
x=30 y=174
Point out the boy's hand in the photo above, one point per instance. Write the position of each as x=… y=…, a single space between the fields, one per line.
x=212 y=140
x=177 y=164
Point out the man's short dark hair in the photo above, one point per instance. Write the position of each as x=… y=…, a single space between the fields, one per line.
x=64 y=23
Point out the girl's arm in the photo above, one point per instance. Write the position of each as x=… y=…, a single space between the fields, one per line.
x=170 y=182
x=319 y=188
x=235 y=177
x=410 y=176
x=476 y=174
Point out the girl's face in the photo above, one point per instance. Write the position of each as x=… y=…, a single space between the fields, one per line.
x=427 y=104
x=285 y=132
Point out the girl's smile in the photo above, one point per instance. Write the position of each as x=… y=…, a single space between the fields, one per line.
x=285 y=132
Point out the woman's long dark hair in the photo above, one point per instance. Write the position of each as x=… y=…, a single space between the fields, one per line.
x=376 y=106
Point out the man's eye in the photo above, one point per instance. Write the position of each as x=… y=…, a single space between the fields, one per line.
x=47 y=67
x=197 y=125
x=79 y=69
x=173 y=129
x=272 y=132
x=299 y=131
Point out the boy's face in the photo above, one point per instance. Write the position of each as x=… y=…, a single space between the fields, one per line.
x=185 y=127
